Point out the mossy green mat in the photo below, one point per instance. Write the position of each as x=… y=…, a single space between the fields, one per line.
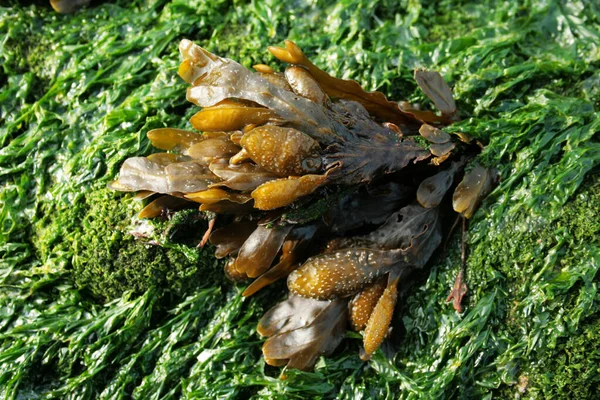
x=78 y=93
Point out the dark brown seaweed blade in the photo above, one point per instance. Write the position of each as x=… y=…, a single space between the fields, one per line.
x=367 y=206
x=362 y=160
x=231 y=237
x=433 y=189
x=297 y=243
x=415 y=230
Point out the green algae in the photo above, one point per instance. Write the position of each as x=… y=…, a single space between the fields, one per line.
x=107 y=259
x=78 y=92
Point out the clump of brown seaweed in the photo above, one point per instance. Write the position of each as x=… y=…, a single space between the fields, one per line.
x=275 y=144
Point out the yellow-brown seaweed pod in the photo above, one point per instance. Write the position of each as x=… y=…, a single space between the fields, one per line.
x=173 y=139
x=284 y=151
x=214 y=195
x=230 y=115
x=282 y=192
x=341 y=273
x=303 y=84
x=363 y=304
x=380 y=319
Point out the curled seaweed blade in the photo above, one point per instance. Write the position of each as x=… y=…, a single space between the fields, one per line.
x=282 y=192
x=293 y=313
x=380 y=319
x=139 y=173
x=188 y=177
x=286 y=264
x=476 y=184
x=173 y=139
x=197 y=62
x=436 y=88
x=433 y=134
x=260 y=249
x=433 y=189
x=375 y=102
x=441 y=149
x=362 y=305
x=243 y=177
x=165 y=159
x=319 y=336
x=232 y=273
x=297 y=242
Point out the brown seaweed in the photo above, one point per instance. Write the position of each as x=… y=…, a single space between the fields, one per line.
x=274 y=144
x=300 y=330
x=475 y=185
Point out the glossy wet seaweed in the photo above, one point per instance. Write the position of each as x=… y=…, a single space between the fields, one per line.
x=526 y=79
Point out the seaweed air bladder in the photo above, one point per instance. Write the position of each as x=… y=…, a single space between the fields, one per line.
x=311 y=178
